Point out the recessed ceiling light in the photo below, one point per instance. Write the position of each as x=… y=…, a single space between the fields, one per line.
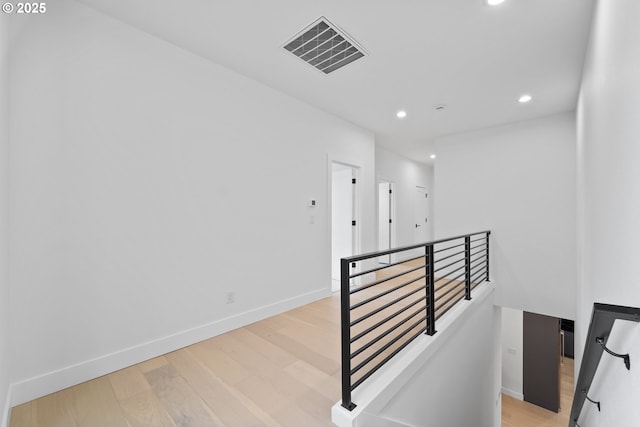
x=401 y=114
x=433 y=156
x=494 y=2
x=524 y=99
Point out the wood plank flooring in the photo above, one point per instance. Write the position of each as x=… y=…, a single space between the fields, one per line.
x=279 y=372
x=516 y=413
x=283 y=371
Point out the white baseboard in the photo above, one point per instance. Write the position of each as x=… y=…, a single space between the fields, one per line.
x=512 y=393
x=6 y=413
x=42 y=385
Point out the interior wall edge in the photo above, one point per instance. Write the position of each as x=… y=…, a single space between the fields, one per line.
x=6 y=413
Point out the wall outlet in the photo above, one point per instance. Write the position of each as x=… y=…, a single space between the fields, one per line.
x=230 y=297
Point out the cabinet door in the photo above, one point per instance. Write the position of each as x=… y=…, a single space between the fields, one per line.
x=541 y=360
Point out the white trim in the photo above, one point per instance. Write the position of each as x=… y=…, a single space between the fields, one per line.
x=392 y=214
x=41 y=385
x=6 y=414
x=354 y=164
x=512 y=393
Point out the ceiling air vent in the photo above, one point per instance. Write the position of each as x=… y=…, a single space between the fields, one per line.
x=325 y=47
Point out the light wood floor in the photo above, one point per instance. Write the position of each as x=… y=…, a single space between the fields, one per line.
x=282 y=371
x=516 y=413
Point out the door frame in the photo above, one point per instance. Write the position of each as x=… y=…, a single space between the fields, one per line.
x=392 y=214
x=357 y=243
x=427 y=223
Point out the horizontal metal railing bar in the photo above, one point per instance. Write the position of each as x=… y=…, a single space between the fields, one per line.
x=482 y=256
x=448 y=265
x=483 y=245
x=473 y=267
x=386 y=279
x=383 y=321
x=443 y=304
x=476 y=265
x=356 y=258
x=448 y=302
x=446 y=309
x=438 y=287
x=479 y=275
x=387 y=332
x=448 y=291
x=449 y=248
x=454 y=271
x=384 y=307
x=457 y=288
x=378 y=352
x=447 y=257
x=387 y=292
x=484 y=239
x=480 y=272
x=462 y=236
x=480 y=264
x=482 y=249
x=373 y=270
x=477 y=252
x=386 y=359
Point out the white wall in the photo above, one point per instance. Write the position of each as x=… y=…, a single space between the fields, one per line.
x=406 y=175
x=4 y=219
x=512 y=357
x=459 y=385
x=608 y=186
x=146 y=183
x=518 y=181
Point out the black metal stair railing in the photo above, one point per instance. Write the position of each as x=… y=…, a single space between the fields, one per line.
x=403 y=299
x=602 y=320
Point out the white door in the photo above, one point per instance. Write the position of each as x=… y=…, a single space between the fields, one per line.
x=384 y=220
x=420 y=215
x=344 y=226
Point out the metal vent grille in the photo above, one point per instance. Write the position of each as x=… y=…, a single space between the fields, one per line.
x=323 y=46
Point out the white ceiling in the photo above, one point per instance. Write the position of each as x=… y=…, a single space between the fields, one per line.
x=474 y=58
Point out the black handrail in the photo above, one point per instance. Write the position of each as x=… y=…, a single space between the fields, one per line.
x=411 y=290
x=602 y=319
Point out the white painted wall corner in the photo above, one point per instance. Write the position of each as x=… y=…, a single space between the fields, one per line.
x=6 y=413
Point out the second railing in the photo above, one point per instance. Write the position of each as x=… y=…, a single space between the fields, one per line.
x=388 y=298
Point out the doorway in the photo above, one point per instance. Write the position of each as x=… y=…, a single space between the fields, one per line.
x=385 y=219
x=420 y=214
x=344 y=217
